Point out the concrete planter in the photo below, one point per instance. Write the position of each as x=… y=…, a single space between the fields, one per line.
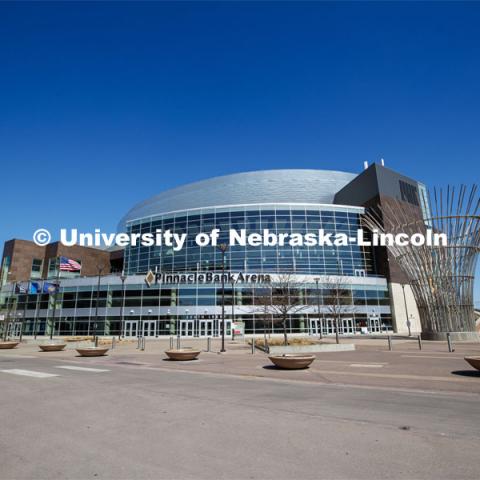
x=92 y=351
x=322 y=347
x=182 y=354
x=52 y=347
x=8 y=344
x=474 y=362
x=292 y=362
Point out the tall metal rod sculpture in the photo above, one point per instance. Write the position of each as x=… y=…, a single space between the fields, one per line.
x=441 y=277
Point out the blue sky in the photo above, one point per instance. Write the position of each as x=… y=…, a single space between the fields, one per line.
x=105 y=104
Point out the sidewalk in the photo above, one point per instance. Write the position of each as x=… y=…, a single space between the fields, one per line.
x=371 y=365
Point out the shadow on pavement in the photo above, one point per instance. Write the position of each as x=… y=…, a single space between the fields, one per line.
x=467 y=373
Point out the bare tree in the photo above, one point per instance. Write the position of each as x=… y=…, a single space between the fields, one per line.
x=337 y=299
x=281 y=300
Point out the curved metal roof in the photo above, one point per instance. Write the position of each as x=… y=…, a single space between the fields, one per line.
x=265 y=186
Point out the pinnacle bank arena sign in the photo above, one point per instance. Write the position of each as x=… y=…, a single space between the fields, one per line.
x=206 y=278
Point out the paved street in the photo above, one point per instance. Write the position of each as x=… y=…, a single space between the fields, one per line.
x=370 y=413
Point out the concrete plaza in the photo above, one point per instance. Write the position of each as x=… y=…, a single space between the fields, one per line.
x=369 y=413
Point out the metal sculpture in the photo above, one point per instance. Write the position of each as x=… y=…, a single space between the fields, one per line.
x=441 y=277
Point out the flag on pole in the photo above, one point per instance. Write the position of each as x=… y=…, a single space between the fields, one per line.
x=21 y=287
x=69 y=265
x=49 y=288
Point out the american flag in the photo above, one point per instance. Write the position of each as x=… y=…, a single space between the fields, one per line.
x=69 y=265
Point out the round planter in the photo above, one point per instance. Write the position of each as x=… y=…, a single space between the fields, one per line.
x=8 y=344
x=292 y=361
x=52 y=347
x=182 y=354
x=474 y=362
x=92 y=351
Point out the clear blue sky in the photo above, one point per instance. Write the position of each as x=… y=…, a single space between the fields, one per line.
x=105 y=104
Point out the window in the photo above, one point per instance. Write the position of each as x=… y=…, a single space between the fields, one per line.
x=4 y=272
x=409 y=193
x=37 y=267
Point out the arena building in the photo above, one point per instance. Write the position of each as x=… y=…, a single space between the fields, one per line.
x=184 y=294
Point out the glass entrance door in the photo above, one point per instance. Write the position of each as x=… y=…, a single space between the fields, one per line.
x=131 y=328
x=316 y=326
x=205 y=328
x=329 y=326
x=186 y=328
x=219 y=326
x=14 y=329
x=149 y=328
x=348 y=325
x=374 y=325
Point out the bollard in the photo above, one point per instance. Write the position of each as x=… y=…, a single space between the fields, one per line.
x=253 y=345
x=389 y=338
x=96 y=341
x=419 y=342
x=142 y=348
x=451 y=348
x=178 y=343
x=209 y=344
x=171 y=343
x=138 y=342
x=113 y=343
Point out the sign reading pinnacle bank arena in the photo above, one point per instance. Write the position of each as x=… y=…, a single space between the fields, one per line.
x=206 y=277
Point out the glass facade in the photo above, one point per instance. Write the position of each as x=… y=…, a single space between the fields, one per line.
x=342 y=260
x=167 y=308
x=194 y=309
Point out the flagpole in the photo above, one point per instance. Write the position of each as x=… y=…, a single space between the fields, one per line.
x=57 y=287
x=9 y=312
x=24 y=310
x=35 y=319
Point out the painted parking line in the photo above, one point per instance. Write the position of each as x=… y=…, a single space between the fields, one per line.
x=29 y=373
x=431 y=356
x=366 y=365
x=82 y=369
x=12 y=355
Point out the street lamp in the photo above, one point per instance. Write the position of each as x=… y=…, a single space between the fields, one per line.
x=150 y=311
x=223 y=248
x=233 y=309
x=131 y=323
x=20 y=315
x=123 y=277
x=99 y=270
x=318 y=306
x=57 y=288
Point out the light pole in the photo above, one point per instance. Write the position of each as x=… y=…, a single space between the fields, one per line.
x=19 y=316
x=318 y=307
x=406 y=311
x=338 y=312
x=150 y=311
x=223 y=248
x=233 y=309
x=177 y=324
x=100 y=270
x=57 y=288
x=123 y=277
x=129 y=328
